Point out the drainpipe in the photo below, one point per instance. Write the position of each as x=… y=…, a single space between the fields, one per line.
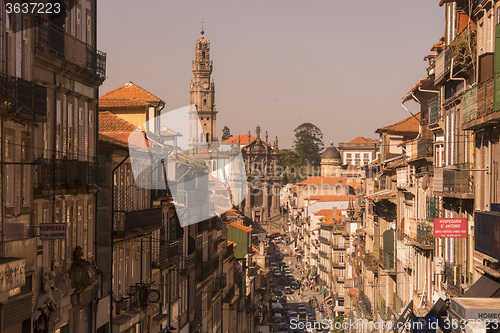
x=456 y=78
x=488 y=174
x=2 y=253
x=112 y=229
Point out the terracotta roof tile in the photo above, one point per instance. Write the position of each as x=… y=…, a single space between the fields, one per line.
x=241 y=227
x=108 y=122
x=243 y=140
x=118 y=129
x=114 y=103
x=130 y=91
x=361 y=139
x=407 y=125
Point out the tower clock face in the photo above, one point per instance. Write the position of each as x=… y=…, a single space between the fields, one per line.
x=205 y=85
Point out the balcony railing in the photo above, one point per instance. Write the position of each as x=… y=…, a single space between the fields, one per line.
x=381 y=307
x=453 y=278
x=453 y=181
x=323 y=268
x=324 y=240
x=421 y=148
x=425 y=234
x=57 y=42
x=366 y=306
x=434 y=105
x=62 y=174
x=370 y=262
x=469 y=105
x=170 y=254
x=324 y=254
x=442 y=64
x=207 y=269
x=485 y=93
x=23 y=98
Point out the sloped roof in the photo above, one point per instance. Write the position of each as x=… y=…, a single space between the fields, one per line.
x=243 y=140
x=119 y=130
x=362 y=139
x=113 y=103
x=108 y=122
x=130 y=91
x=407 y=125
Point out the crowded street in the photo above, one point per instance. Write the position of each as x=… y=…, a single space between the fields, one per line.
x=294 y=287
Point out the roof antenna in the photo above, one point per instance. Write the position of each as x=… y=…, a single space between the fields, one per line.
x=202 y=31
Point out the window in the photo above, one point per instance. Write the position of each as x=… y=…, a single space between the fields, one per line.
x=341 y=258
x=366 y=156
x=348 y=155
x=357 y=155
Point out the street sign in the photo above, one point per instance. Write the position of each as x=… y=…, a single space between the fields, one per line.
x=52 y=231
x=450 y=227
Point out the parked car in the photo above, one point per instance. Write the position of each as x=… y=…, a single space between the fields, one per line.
x=278 y=291
x=277 y=273
x=294 y=285
x=283 y=300
x=302 y=312
x=288 y=290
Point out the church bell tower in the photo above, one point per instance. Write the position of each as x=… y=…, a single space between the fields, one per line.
x=202 y=90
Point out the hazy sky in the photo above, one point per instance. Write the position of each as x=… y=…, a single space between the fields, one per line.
x=341 y=65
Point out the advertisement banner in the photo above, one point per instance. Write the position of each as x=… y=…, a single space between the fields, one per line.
x=52 y=231
x=450 y=227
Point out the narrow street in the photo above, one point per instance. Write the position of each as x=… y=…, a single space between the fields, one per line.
x=295 y=299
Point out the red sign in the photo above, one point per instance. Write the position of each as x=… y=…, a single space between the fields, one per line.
x=450 y=228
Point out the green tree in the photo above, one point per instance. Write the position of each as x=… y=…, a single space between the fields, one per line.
x=308 y=143
x=226 y=133
x=289 y=161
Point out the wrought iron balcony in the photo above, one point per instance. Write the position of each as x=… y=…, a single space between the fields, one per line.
x=435 y=115
x=453 y=278
x=452 y=182
x=324 y=240
x=207 y=269
x=68 y=174
x=324 y=254
x=425 y=234
x=22 y=98
x=366 y=306
x=420 y=148
x=55 y=41
x=170 y=254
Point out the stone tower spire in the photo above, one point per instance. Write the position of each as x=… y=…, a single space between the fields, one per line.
x=202 y=90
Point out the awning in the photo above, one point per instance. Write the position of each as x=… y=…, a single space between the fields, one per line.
x=322 y=291
x=438 y=309
x=313 y=273
x=351 y=292
x=485 y=287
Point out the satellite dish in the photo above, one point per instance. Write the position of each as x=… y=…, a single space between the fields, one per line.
x=425 y=181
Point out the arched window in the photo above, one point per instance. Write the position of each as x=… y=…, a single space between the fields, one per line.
x=203 y=55
x=205 y=101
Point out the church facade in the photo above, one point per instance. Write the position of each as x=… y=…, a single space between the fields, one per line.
x=261 y=159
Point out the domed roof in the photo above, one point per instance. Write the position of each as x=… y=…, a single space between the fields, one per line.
x=331 y=153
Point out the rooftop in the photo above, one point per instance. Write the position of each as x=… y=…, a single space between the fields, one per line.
x=408 y=125
x=131 y=92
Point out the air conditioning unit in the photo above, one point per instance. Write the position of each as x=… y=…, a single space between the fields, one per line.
x=438 y=265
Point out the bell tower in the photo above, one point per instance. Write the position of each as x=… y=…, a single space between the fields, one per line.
x=202 y=90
